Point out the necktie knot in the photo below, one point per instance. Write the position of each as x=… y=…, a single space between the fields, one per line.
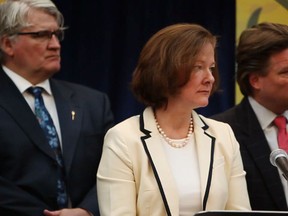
x=35 y=91
x=280 y=122
x=282 y=138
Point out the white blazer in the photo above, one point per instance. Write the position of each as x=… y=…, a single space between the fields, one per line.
x=133 y=160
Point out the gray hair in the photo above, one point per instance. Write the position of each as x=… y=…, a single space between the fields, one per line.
x=13 y=15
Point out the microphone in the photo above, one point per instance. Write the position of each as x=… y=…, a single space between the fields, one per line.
x=279 y=159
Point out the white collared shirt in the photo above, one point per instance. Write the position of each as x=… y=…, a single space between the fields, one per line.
x=23 y=84
x=265 y=118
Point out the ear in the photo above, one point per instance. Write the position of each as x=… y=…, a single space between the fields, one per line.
x=254 y=80
x=6 y=45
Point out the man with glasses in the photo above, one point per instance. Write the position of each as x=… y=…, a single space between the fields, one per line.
x=51 y=131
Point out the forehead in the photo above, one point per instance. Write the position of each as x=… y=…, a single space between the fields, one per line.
x=206 y=53
x=279 y=59
x=36 y=17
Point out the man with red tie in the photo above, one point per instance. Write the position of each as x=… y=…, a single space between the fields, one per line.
x=262 y=75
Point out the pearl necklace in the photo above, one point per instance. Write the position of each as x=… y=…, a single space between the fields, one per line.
x=170 y=141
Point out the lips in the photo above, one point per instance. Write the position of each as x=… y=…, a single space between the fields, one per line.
x=53 y=57
x=205 y=91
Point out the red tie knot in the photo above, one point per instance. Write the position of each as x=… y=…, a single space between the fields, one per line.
x=280 y=122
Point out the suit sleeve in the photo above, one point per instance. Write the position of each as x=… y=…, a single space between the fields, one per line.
x=115 y=179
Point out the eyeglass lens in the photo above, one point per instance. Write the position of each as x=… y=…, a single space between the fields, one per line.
x=45 y=34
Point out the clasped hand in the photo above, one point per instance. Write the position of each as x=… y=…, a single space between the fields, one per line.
x=67 y=212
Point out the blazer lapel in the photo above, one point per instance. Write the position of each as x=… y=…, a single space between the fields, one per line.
x=258 y=148
x=15 y=104
x=152 y=144
x=205 y=144
x=70 y=116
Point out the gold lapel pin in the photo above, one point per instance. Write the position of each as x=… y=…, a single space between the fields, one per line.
x=73 y=113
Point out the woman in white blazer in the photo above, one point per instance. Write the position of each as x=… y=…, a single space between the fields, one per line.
x=169 y=160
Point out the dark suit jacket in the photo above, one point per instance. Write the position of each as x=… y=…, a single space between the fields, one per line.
x=28 y=167
x=263 y=181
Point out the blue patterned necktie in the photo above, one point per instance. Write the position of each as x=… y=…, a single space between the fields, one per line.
x=49 y=129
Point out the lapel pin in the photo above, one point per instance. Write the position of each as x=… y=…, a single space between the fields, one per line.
x=73 y=115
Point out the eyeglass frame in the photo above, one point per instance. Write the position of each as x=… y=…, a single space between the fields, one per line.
x=45 y=34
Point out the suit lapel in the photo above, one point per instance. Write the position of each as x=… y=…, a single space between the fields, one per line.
x=70 y=117
x=14 y=103
x=152 y=144
x=257 y=146
x=205 y=144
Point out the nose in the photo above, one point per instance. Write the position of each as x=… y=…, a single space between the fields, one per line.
x=54 y=42
x=209 y=76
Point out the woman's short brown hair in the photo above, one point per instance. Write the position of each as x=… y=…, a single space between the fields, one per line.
x=166 y=61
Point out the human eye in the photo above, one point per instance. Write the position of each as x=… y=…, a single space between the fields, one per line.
x=212 y=68
x=38 y=35
x=42 y=34
x=197 y=67
x=59 y=34
x=284 y=73
x=47 y=35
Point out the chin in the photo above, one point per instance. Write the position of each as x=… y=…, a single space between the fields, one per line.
x=53 y=70
x=203 y=104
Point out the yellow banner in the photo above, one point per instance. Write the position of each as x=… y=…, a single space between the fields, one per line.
x=251 y=12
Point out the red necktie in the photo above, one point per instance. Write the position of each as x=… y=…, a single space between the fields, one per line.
x=280 y=122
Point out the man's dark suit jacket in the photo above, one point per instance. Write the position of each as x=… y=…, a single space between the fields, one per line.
x=28 y=168
x=263 y=181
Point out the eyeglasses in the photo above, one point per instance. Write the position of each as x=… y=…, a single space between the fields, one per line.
x=45 y=35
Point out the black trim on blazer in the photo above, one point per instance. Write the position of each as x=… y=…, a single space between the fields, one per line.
x=147 y=135
x=209 y=180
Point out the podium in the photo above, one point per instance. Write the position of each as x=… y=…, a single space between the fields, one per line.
x=241 y=213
